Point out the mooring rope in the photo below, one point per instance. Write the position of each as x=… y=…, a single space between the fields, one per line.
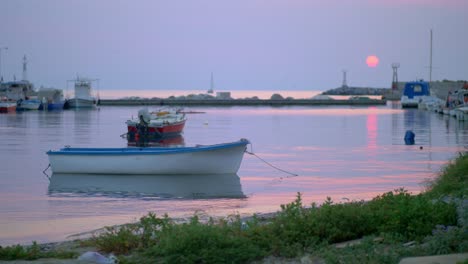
x=44 y=171
x=269 y=164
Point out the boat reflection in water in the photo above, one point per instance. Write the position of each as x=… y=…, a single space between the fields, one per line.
x=148 y=186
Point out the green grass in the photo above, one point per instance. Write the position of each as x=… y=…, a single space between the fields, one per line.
x=294 y=231
x=453 y=179
x=32 y=252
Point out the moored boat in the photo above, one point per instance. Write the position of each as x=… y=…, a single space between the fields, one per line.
x=7 y=106
x=82 y=94
x=51 y=99
x=164 y=123
x=461 y=104
x=414 y=93
x=456 y=104
x=29 y=104
x=222 y=158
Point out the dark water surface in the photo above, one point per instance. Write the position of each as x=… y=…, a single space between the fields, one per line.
x=341 y=152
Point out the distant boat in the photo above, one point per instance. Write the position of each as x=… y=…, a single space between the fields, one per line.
x=457 y=103
x=83 y=94
x=222 y=158
x=414 y=93
x=7 y=106
x=29 y=104
x=18 y=90
x=51 y=99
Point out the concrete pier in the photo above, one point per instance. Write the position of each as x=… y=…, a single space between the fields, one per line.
x=240 y=102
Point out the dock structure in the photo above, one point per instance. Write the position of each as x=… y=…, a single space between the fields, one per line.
x=240 y=102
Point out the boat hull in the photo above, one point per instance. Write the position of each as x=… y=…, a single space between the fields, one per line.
x=214 y=159
x=81 y=103
x=29 y=105
x=52 y=106
x=7 y=107
x=169 y=130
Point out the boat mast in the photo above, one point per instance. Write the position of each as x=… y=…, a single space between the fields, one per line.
x=25 y=68
x=430 y=60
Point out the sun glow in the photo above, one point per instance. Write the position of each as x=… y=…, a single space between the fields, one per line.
x=372 y=61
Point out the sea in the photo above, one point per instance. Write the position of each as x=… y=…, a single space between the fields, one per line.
x=343 y=152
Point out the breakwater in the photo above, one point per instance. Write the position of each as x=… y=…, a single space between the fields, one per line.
x=439 y=89
x=240 y=102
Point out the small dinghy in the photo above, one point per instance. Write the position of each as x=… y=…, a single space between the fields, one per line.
x=222 y=158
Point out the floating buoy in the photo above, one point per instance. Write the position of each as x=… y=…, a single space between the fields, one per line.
x=206 y=123
x=409 y=137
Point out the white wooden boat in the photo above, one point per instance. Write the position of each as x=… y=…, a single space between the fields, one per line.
x=202 y=159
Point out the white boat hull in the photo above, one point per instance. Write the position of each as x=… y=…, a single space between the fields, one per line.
x=215 y=159
x=461 y=113
x=25 y=105
x=81 y=103
x=412 y=102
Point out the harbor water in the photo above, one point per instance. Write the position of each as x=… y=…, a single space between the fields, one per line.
x=346 y=153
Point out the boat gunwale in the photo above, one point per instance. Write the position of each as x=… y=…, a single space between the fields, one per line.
x=134 y=124
x=145 y=151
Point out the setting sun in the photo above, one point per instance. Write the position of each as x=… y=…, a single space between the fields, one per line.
x=372 y=61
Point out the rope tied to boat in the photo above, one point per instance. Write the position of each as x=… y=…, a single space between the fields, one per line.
x=269 y=164
x=44 y=171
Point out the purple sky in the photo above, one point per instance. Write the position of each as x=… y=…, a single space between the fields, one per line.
x=255 y=44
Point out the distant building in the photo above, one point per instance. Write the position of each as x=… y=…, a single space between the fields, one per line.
x=223 y=95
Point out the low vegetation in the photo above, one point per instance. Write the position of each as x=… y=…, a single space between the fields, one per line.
x=31 y=252
x=390 y=226
x=452 y=181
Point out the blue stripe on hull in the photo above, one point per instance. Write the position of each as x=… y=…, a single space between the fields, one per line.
x=144 y=151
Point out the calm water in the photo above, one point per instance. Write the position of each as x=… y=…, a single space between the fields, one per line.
x=341 y=152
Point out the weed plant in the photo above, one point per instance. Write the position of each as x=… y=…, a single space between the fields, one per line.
x=32 y=252
x=296 y=229
x=453 y=179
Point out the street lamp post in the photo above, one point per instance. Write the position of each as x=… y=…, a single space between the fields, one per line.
x=1 y=77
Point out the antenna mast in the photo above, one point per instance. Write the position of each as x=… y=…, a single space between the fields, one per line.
x=25 y=68
x=211 y=84
x=395 y=67
x=345 y=83
x=430 y=61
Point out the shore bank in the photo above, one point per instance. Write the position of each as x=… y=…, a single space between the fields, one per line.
x=240 y=102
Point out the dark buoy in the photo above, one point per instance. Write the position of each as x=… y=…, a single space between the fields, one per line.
x=409 y=137
x=421 y=147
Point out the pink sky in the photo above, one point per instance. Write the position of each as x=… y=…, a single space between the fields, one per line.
x=258 y=45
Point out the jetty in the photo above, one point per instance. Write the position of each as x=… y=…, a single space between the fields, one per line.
x=360 y=101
